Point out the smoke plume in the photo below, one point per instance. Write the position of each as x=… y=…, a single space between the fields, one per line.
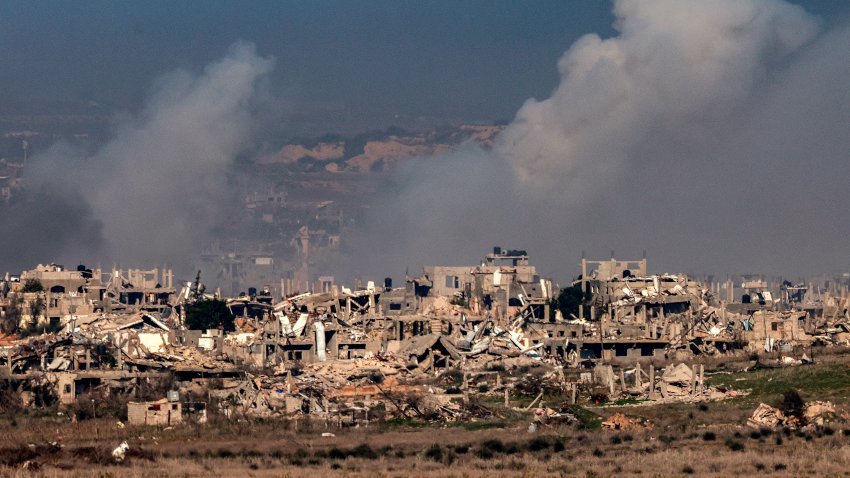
x=155 y=190
x=709 y=134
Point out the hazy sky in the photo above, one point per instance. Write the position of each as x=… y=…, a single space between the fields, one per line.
x=713 y=135
x=475 y=59
x=346 y=62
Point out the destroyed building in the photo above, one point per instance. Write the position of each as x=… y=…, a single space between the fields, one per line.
x=62 y=295
x=339 y=352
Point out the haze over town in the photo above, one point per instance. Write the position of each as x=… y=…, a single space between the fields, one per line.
x=484 y=238
x=694 y=132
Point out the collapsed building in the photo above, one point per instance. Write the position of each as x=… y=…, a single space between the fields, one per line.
x=633 y=314
x=341 y=352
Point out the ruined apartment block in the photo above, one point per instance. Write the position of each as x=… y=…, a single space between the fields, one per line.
x=335 y=352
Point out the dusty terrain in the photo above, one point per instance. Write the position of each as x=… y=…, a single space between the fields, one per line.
x=685 y=438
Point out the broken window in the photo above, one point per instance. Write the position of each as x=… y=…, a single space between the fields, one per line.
x=452 y=282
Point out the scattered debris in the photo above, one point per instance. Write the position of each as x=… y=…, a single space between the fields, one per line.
x=618 y=421
x=766 y=416
x=120 y=452
x=434 y=349
x=813 y=413
x=819 y=413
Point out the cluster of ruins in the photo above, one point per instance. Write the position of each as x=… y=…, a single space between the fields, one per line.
x=438 y=347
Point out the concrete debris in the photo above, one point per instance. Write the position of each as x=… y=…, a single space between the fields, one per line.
x=819 y=413
x=814 y=413
x=766 y=416
x=433 y=349
x=120 y=452
x=675 y=383
x=618 y=421
x=549 y=416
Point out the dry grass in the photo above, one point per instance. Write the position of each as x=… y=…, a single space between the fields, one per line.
x=697 y=439
x=457 y=452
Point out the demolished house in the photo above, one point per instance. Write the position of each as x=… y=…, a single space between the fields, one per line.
x=163 y=412
x=343 y=353
x=633 y=314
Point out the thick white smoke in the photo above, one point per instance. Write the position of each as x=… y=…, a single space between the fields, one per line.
x=159 y=185
x=677 y=67
x=709 y=134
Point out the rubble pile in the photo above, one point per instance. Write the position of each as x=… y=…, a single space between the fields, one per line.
x=814 y=413
x=675 y=383
x=618 y=421
x=432 y=349
x=766 y=416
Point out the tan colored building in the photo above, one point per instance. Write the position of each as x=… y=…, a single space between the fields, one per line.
x=158 y=413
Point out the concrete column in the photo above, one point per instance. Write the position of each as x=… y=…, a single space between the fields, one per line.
x=320 y=340
x=638 y=380
x=582 y=285
x=693 y=378
x=651 y=381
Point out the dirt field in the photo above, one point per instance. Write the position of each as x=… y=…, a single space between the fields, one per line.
x=694 y=438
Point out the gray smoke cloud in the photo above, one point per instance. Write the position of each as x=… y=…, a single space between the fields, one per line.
x=677 y=68
x=154 y=191
x=713 y=135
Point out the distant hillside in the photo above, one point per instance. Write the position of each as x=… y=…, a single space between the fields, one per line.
x=371 y=152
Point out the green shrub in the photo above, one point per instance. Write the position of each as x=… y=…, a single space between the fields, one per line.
x=494 y=445
x=336 y=454
x=33 y=285
x=363 y=451
x=434 y=452
x=793 y=405
x=537 y=444
x=734 y=445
